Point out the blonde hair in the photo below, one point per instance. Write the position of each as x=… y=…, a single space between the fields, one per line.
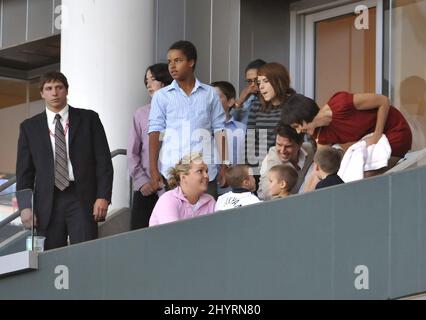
x=182 y=167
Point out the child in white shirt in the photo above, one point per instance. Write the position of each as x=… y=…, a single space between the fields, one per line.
x=240 y=179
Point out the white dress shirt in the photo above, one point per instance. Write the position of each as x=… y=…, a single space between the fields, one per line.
x=51 y=123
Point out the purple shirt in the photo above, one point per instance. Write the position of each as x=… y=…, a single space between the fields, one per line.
x=138 y=148
x=173 y=206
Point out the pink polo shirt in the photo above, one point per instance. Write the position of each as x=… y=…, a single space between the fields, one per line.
x=173 y=206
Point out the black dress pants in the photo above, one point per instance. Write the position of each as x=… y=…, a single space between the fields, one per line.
x=71 y=218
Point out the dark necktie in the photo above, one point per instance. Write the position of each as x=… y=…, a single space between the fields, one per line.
x=61 y=159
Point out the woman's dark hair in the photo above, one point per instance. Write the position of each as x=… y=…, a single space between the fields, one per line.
x=255 y=64
x=226 y=87
x=299 y=108
x=187 y=48
x=285 y=131
x=160 y=72
x=279 y=78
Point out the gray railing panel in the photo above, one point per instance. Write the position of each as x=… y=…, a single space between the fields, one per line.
x=405 y=232
x=301 y=247
x=422 y=228
x=360 y=224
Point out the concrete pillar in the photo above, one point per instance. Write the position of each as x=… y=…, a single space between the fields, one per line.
x=105 y=48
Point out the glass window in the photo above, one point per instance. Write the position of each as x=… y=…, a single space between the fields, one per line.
x=407 y=63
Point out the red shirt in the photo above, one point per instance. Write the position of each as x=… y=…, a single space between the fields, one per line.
x=349 y=124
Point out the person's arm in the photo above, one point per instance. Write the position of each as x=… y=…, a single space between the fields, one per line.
x=140 y=177
x=104 y=169
x=25 y=170
x=245 y=94
x=369 y=101
x=218 y=127
x=322 y=119
x=25 y=177
x=154 y=152
x=157 y=124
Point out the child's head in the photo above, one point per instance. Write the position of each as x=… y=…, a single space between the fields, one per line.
x=282 y=178
x=240 y=176
x=327 y=161
x=227 y=94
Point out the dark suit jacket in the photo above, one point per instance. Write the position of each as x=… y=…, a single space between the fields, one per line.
x=90 y=158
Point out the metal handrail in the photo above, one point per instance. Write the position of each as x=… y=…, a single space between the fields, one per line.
x=12 y=181
x=7 y=184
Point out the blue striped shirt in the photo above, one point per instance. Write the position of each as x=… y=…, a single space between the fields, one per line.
x=187 y=124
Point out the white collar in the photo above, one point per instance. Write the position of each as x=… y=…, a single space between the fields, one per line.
x=51 y=115
x=302 y=158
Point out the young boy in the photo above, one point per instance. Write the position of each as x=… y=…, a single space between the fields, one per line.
x=241 y=180
x=282 y=178
x=181 y=111
x=326 y=165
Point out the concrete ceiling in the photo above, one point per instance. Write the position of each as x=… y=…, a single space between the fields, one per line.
x=32 y=55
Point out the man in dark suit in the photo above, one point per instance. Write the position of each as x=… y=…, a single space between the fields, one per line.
x=64 y=157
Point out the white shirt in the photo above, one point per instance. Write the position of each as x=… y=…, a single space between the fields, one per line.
x=231 y=200
x=51 y=123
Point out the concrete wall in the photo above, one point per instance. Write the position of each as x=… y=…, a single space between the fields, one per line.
x=303 y=247
x=265 y=32
x=213 y=27
x=228 y=34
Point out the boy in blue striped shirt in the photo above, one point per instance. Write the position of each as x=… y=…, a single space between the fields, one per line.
x=186 y=114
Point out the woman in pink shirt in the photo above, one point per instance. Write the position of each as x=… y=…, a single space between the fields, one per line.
x=144 y=198
x=188 y=180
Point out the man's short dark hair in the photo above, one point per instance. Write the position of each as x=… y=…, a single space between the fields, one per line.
x=328 y=159
x=53 y=76
x=255 y=64
x=299 y=108
x=288 y=132
x=226 y=87
x=160 y=72
x=187 y=48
